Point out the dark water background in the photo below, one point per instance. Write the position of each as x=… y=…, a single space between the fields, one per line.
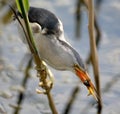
x=12 y=51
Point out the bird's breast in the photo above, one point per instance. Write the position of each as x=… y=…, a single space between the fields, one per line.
x=54 y=53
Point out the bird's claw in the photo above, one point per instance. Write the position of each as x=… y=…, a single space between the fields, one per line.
x=46 y=88
x=46 y=79
x=40 y=91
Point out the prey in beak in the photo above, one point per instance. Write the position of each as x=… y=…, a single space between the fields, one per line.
x=84 y=77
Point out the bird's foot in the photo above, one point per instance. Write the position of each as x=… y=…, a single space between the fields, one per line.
x=46 y=88
x=46 y=79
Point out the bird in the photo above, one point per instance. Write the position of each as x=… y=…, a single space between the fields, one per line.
x=52 y=46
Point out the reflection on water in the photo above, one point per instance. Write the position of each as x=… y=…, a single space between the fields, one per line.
x=12 y=51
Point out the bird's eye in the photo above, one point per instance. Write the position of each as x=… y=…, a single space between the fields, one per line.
x=86 y=83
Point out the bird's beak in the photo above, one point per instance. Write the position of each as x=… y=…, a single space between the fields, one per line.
x=87 y=82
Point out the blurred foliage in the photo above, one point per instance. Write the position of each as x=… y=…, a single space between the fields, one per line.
x=7 y=14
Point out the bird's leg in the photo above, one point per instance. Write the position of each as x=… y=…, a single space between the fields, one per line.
x=45 y=82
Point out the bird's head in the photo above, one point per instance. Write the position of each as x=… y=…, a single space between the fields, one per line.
x=84 y=77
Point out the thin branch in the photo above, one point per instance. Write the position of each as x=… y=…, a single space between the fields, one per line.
x=16 y=17
x=98 y=38
x=93 y=50
x=24 y=84
x=78 y=19
x=71 y=100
